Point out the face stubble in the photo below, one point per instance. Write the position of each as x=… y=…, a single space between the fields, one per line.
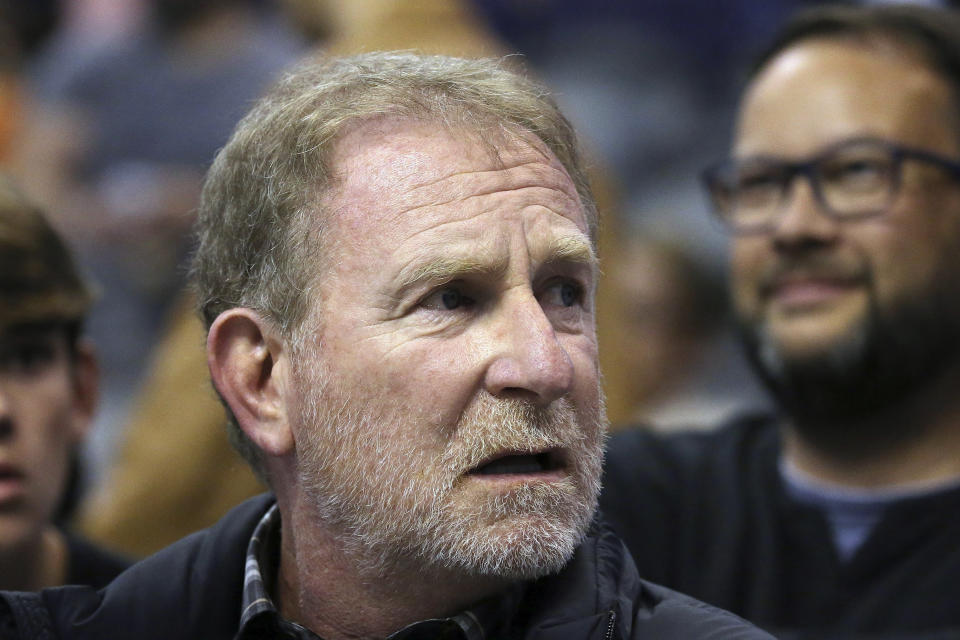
x=397 y=504
x=897 y=348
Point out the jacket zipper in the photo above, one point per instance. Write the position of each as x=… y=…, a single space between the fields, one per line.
x=612 y=622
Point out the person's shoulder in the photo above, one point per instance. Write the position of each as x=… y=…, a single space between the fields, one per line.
x=637 y=449
x=91 y=564
x=600 y=589
x=675 y=615
x=192 y=588
x=644 y=609
x=23 y=616
x=653 y=481
x=205 y=554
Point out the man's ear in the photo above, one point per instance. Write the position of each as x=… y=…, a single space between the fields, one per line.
x=86 y=387
x=248 y=365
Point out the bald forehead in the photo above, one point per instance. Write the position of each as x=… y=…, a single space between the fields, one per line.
x=821 y=90
x=393 y=166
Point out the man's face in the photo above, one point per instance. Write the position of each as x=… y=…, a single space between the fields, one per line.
x=449 y=411
x=816 y=291
x=41 y=421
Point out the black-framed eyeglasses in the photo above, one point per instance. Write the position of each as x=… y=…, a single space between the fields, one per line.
x=852 y=179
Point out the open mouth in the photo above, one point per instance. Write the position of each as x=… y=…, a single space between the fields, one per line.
x=520 y=464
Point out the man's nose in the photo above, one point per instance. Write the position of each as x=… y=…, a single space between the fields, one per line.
x=803 y=220
x=529 y=361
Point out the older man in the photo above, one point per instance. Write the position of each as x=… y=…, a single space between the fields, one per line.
x=48 y=392
x=397 y=270
x=840 y=517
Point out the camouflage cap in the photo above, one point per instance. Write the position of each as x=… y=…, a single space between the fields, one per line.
x=39 y=280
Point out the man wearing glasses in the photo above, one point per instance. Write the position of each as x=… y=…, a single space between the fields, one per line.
x=842 y=198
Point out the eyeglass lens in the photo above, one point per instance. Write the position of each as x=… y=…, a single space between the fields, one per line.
x=852 y=180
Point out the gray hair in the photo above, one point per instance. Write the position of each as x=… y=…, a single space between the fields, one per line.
x=261 y=210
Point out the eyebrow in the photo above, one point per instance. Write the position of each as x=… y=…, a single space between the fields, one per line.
x=445 y=269
x=569 y=249
x=575 y=249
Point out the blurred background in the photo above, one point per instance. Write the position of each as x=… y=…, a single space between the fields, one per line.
x=110 y=111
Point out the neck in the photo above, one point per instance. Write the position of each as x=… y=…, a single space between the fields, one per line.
x=927 y=454
x=35 y=564
x=321 y=586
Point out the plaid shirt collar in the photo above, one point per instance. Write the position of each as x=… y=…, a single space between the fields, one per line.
x=259 y=617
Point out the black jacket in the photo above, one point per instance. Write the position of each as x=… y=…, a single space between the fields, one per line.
x=90 y=564
x=193 y=590
x=706 y=513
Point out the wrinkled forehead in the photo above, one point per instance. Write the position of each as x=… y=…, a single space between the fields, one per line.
x=391 y=165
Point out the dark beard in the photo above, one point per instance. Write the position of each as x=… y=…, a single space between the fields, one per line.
x=835 y=397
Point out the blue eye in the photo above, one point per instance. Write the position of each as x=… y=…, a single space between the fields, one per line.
x=563 y=293
x=569 y=294
x=450 y=298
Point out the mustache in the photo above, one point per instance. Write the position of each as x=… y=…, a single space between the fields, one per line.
x=493 y=427
x=830 y=267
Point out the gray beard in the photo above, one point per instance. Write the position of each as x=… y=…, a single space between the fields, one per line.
x=389 y=504
x=835 y=397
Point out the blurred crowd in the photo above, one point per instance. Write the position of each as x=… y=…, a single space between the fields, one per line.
x=111 y=110
x=116 y=108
